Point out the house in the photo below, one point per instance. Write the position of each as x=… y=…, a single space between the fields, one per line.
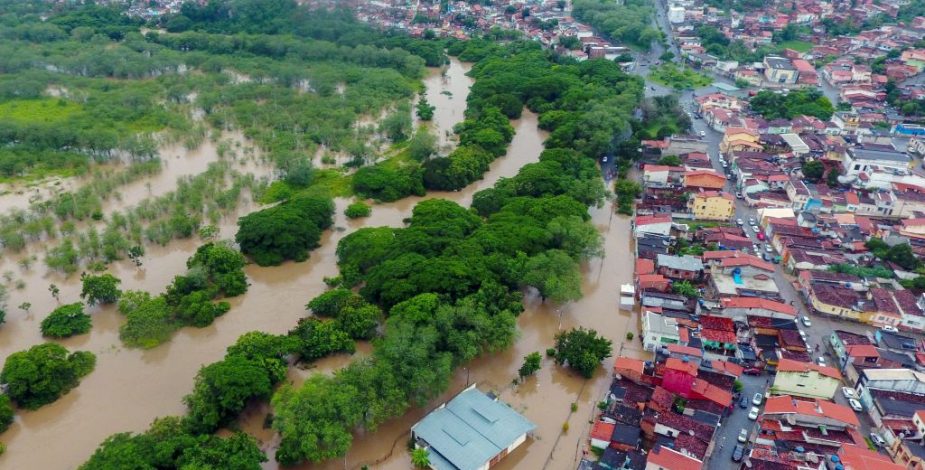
x=863 y=159
x=810 y=413
x=737 y=139
x=658 y=330
x=780 y=70
x=473 y=431
x=740 y=308
x=659 y=224
x=704 y=179
x=680 y=267
x=663 y=458
x=804 y=379
x=856 y=457
x=711 y=205
x=661 y=176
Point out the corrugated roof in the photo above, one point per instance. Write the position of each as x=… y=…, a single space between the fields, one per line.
x=469 y=430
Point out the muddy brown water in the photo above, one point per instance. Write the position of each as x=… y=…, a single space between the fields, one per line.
x=130 y=388
x=447 y=90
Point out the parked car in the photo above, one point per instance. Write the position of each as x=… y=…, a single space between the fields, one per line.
x=878 y=441
x=821 y=361
x=849 y=393
x=805 y=320
x=743 y=402
x=753 y=414
x=752 y=221
x=757 y=399
x=703 y=134
x=802 y=334
x=752 y=371
x=767 y=247
x=738 y=453
x=760 y=235
x=890 y=328
x=739 y=196
x=755 y=228
x=809 y=349
x=743 y=436
x=765 y=257
x=855 y=405
x=739 y=222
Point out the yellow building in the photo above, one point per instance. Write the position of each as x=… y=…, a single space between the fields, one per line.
x=739 y=138
x=837 y=301
x=711 y=205
x=804 y=379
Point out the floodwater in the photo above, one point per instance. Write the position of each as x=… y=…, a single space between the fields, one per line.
x=177 y=162
x=447 y=90
x=130 y=388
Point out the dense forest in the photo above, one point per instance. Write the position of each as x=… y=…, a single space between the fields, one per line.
x=627 y=22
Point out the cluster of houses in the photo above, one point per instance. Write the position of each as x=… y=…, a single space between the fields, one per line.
x=669 y=413
x=841 y=63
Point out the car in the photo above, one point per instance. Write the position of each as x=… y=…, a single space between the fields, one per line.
x=878 y=441
x=753 y=414
x=855 y=405
x=776 y=260
x=755 y=228
x=757 y=399
x=724 y=164
x=739 y=222
x=760 y=235
x=703 y=134
x=757 y=250
x=767 y=247
x=739 y=196
x=765 y=257
x=738 y=453
x=752 y=371
x=805 y=320
x=802 y=334
x=604 y=159
x=809 y=349
x=752 y=221
x=890 y=328
x=743 y=436
x=848 y=392
x=821 y=361
x=743 y=402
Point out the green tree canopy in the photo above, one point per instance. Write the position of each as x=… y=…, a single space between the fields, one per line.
x=582 y=350
x=66 y=320
x=103 y=289
x=43 y=373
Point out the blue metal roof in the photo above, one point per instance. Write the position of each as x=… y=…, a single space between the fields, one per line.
x=469 y=430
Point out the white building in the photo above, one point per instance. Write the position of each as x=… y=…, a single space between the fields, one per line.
x=676 y=14
x=658 y=330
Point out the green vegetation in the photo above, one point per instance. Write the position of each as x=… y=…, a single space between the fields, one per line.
x=662 y=116
x=420 y=458
x=582 y=350
x=358 y=210
x=6 y=412
x=66 y=320
x=627 y=191
x=863 y=271
x=813 y=171
x=686 y=289
x=186 y=449
x=809 y=102
x=901 y=254
x=102 y=289
x=626 y=22
x=215 y=271
x=678 y=77
x=287 y=231
x=797 y=45
x=43 y=373
x=532 y=363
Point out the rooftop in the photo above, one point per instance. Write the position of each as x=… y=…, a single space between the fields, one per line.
x=470 y=430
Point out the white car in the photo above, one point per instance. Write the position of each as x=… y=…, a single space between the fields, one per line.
x=806 y=321
x=855 y=405
x=703 y=134
x=849 y=393
x=802 y=335
x=890 y=328
x=743 y=436
x=739 y=222
x=820 y=361
x=878 y=441
x=768 y=248
x=753 y=414
x=756 y=400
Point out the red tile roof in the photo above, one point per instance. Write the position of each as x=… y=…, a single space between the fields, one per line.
x=747 y=260
x=785 y=404
x=787 y=365
x=644 y=266
x=652 y=219
x=679 y=365
x=672 y=460
x=678 y=349
x=862 y=350
x=628 y=364
x=858 y=458
x=755 y=302
x=712 y=393
x=602 y=431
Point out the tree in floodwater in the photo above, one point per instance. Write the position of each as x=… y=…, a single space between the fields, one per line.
x=425 y=110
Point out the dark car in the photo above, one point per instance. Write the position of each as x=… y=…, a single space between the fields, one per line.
x=738 y=453
x=743 y=402
x=752 y=371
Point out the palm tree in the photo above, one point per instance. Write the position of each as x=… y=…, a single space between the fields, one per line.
x=420 y=457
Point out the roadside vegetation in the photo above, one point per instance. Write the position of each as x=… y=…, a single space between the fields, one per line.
x=626 y=22
x=678 y=77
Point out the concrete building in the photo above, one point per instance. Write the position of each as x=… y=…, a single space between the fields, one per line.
x=676 y=14
x=804 y=379
x=711 y=205
x=859 y=160
x=780 y=70
x=473 y=431
x=658 y=330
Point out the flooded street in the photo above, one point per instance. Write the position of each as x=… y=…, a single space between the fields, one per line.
x=129 y=388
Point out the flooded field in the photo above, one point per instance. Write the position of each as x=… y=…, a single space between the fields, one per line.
x=129 y=388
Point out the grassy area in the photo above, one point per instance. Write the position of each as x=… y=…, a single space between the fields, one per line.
x=47 y=110
x=333 y=182
x=797 y=45
x=679 y=78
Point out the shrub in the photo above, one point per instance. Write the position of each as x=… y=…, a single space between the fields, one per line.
x=357 y=210
x=66 y=320
x=629 y=335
